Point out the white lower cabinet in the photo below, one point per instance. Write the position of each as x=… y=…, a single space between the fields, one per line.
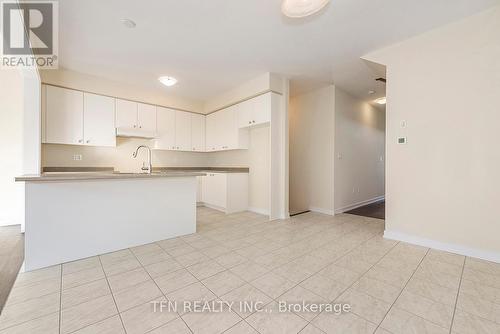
x=227 y=192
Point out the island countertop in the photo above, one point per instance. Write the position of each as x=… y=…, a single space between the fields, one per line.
x=65 y=176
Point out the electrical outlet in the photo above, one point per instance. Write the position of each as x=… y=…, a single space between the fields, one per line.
x=77 y=157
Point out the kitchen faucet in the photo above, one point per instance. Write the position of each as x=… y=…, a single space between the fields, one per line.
x=149 y=168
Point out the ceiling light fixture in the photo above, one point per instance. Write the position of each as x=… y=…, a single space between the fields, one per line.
x=382 y=100
x=371 y=92
x=168 y=81
x=128 y=23
x=302 y=8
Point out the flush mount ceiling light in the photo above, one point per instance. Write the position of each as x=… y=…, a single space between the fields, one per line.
x=168 y=81
x=128 y=23
x=302 y=8
x=382 y=100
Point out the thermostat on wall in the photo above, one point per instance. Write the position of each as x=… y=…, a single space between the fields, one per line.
x=401 y=140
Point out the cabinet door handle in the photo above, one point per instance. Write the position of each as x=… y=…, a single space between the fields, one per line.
x=135 y=126
x=88 y=141
x=80 y=141
x=140 y=126
x=249 y=122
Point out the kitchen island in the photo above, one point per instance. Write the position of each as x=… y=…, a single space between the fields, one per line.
x=70 y=216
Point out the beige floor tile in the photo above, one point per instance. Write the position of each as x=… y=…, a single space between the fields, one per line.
x=85 y=292
x=446 y=257
x=399 y=321
x=111 y=325
x=273 y=284
x=437 y=277
x=480 y=290
x=483 y=266
x=397 y=278
x=249 y=271
x=479 y=307
x=447 y=268
x=481 y=277
x=276 y=322
x=297 y=296
x=87 y=313
x=223 y=282
x=128 y=279
x=175 y=280
x=364 y=305
x=466 y=323
x=205 y=269
x=354 y=263
x=176 y=326
x=48 y=324
x=430 y=310
x=162 y=268
x=230 y=260
x=82 y=277
x=195 y=292
x=210 y=323
x=381 y=330
x=29 y=310
x=310 y=329
x=377 y=289
x=145 y=249
x=153 y=257
x=171 y=243
x=251 y=252
x=116 y=268
x=30 y=277
x=215 y=251
x=331 y=323
x=114 y=257
x=294 y=272
x=136 y=295
x=34 y=290
x=246 y=299
x=432 y=291
x=340 y=274
x=71 y=267
x=143 y=318
x=324 y=286
x=180 y=250
x=241 y=327
x=191 y=258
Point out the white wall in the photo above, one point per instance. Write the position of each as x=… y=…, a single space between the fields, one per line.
x=11 y=146
x=443 y=186
x=312 y=125
x=359 y=152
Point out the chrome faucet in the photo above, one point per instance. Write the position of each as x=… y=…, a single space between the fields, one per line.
x=149 y=168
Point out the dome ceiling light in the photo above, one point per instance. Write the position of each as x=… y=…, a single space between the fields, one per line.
x=302 y=8
x=168 y=81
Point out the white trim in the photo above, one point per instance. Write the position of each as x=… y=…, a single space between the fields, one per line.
x=444 y=246
x=261 y=211
x=359 y=204
x=321 y=210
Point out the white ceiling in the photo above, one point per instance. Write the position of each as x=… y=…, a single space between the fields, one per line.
x=213 y=45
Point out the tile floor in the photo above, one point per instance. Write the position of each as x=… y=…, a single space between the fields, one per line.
x=392 y=287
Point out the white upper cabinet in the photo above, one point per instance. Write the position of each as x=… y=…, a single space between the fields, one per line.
x=135 y=119
x=255 y=111
x=212 y=133
x=183 y=131
x=146 y=119
x=165 y=139
x=126 y=114
x=64 y=116
x=198 y=132
x=99 y=120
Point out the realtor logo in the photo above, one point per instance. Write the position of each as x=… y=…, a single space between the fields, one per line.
x=29 y=34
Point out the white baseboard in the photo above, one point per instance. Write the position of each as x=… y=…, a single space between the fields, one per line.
x=321 y=210
x=359 y=204
x=444 y=246
x=259 y=211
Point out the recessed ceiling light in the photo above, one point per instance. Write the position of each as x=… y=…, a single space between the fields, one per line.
x=168 y=81
x=382 y=100
x=128 y=23
x=302 y=8
x=371 y=92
